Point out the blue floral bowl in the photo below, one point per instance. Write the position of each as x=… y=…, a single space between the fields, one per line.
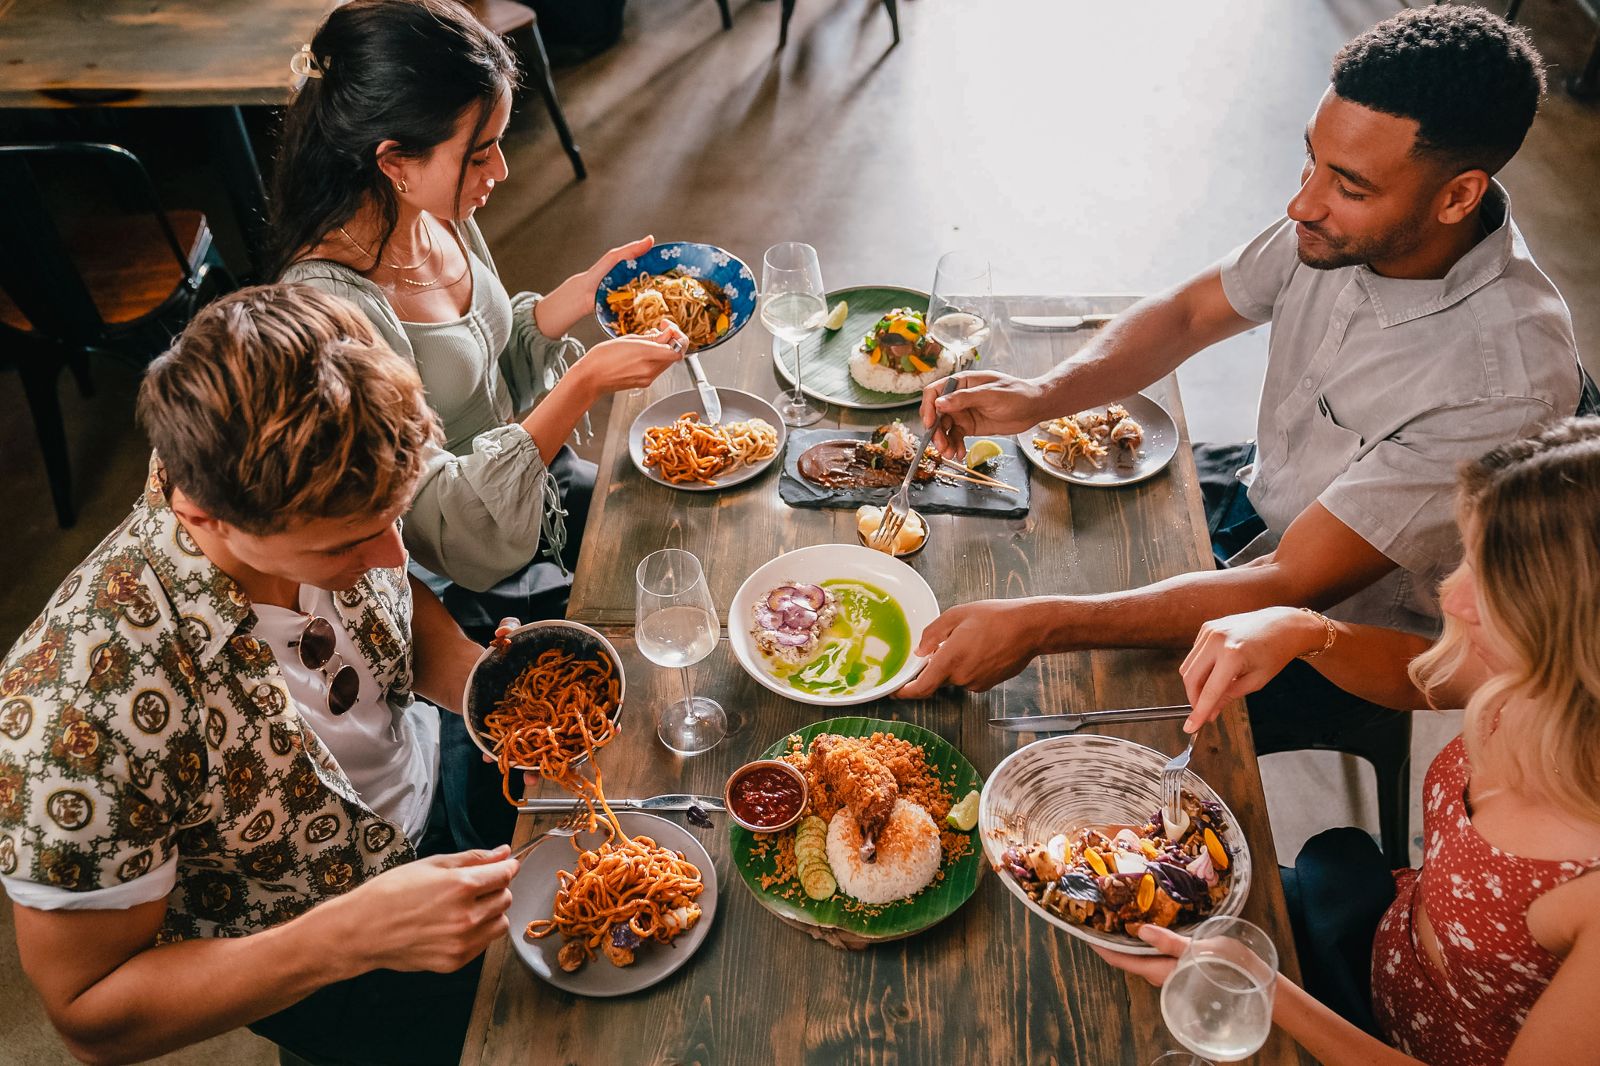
x=705 y=261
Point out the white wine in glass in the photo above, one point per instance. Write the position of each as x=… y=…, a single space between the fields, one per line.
x=794 y=305
x=1217 y=1002
x=960 y=307
x=677 y=627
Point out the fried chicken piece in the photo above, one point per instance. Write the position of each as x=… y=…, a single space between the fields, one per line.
x=861 y=782
x=572 y=956
x=615 y=953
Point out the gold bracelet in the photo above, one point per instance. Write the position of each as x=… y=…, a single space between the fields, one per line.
x=1327 y=642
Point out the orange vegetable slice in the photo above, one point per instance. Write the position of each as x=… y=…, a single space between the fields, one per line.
x=1219 y=854
x=1095 y=861
x=1147 y=892
x=1149 y=848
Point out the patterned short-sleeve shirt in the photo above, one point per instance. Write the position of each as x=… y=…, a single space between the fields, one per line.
x=140 y=720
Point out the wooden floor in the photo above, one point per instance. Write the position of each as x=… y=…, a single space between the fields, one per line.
x=1085 y=148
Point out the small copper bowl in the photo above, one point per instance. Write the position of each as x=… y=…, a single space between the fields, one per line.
x=783 y=768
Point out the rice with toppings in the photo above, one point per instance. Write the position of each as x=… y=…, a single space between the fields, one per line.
x=882 y=378
x=907 y=857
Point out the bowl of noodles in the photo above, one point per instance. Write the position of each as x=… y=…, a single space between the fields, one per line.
x=710 y=293
x=546 y=702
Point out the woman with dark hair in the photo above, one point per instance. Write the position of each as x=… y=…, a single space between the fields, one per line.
x=388 y=150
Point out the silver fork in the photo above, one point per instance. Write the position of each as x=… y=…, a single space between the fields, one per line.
x=575 y=821
x=899 y=505
x=1172 y=783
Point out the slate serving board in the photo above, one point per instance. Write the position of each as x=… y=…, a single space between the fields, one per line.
x=937 y=497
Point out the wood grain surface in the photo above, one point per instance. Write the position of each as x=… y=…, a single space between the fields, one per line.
x=988 y=985
x=150 y=53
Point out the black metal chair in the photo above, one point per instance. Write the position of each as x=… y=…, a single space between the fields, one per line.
x=890 y=6
x=121 y=285
x=509 y=18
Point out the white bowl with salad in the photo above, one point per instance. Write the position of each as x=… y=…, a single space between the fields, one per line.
x=831 y=625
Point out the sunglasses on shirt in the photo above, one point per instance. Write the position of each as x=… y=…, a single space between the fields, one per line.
x=316 y=647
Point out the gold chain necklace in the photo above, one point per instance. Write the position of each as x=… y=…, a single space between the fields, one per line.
x=364 y=250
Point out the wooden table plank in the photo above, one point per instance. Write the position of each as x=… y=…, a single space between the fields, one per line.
x=167 y=53
x=989 y=984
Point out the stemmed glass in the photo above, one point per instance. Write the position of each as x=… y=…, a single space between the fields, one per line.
x=960 y=308
x=1218 y=1000
x=793 y=307
x=677 y=626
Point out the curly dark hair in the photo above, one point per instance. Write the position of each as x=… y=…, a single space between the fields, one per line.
x=1470 y=80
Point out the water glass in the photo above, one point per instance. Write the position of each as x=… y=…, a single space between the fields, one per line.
x=961 y=305
x=1218 y=1001
x=677 y=626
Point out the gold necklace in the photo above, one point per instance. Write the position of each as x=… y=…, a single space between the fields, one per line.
x=369 y=253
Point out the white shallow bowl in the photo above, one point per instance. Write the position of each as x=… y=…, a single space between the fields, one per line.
x=829 y=562
x=1064 y=783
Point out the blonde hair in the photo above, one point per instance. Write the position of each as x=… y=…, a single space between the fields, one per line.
x=1530 y=516
x=280 y=402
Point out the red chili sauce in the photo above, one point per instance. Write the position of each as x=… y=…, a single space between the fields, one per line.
x=765 y=795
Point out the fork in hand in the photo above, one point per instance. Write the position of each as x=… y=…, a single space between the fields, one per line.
x=899 y=505
x=1172 y=791
x=574 y=823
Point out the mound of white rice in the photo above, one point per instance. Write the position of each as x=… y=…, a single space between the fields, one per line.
x=907 y=858
x=877 y=376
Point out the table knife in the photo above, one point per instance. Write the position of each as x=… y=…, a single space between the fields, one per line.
x=676 y=801
x=1060 y=322
x=1071 y=723
x=708 y=395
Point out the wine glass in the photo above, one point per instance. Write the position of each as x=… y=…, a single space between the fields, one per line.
x=677 y=626
x=793 y=307
x=1180 y=1058
x=1218 y=1000
x=960 y=308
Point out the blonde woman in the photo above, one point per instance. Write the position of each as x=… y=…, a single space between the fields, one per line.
x=1491 y=951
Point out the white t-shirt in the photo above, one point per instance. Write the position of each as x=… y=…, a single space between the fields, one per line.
x=390 y=754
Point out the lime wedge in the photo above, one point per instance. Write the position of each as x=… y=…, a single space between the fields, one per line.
x=964 y=815
x=837 y=316
x=983 y=450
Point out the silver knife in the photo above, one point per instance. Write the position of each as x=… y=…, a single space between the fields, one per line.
x=1060 y=321
x=677 y=801
x=1071 y=723
x=708 y=395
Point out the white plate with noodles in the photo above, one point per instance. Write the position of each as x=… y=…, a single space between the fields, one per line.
x=1062 y=449
x=533 y=898
x=694 y=457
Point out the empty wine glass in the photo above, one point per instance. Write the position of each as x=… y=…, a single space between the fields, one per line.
x=1180 y=1058
x=1218 y=1000
x=960 y=308
x=677 y=626
x=793 y=307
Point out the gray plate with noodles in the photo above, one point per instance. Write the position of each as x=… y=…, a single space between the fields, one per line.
x=533 y=895
x=736 y=407
x=1120 y=466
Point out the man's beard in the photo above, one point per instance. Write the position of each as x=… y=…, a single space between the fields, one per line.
x=1360 y=251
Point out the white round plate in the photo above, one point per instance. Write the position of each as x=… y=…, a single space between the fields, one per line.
x=1062 y=784
x=828 y=562
x=736 y=407
x=1160 y=445
x=533 y=894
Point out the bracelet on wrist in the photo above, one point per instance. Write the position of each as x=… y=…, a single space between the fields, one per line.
x=1328 y=634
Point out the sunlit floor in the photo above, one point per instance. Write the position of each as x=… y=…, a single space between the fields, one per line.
x=1084 y=148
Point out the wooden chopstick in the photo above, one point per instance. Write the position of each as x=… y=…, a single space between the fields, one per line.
x=974 y=476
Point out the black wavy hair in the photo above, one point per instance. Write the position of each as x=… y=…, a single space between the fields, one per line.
x=401 y=70
x=1470 y=80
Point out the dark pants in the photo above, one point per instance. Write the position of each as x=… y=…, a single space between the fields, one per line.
x=1337 y=892
x=540 y=589
x=1299 y=708
x=389 y=1018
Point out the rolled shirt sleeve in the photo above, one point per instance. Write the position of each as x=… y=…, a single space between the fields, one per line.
x=1399 y=496
x=532 y=363
x=1255 y=274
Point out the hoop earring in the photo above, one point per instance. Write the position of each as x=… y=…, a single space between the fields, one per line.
x=401 y=186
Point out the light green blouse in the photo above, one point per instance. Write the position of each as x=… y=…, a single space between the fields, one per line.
x=485 y=500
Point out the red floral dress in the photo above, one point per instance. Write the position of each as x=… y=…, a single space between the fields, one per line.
x=1477 y=898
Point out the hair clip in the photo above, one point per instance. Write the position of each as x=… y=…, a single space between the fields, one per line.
x=304 y=63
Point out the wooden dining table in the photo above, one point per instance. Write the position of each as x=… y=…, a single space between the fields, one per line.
x=215 y=56
x=990 y=984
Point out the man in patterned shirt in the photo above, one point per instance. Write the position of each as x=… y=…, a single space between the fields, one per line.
x=219 y=802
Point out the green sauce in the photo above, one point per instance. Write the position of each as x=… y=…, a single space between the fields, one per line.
x=866 y=645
